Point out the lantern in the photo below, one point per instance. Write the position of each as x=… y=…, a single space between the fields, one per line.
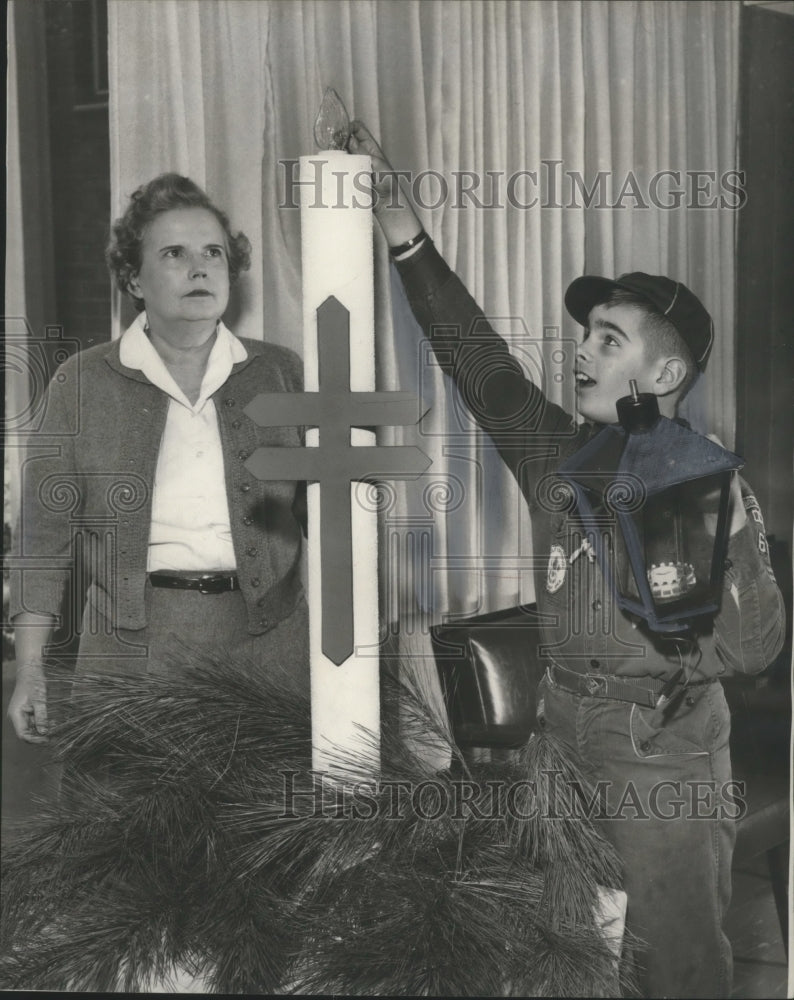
x=653 y=497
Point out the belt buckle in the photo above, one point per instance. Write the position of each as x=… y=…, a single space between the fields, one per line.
x=212 y=583
x=595 y=685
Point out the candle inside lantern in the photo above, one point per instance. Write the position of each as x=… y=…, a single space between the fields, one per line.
x=337 y=260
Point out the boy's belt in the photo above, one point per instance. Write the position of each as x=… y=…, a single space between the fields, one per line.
x=640 y=690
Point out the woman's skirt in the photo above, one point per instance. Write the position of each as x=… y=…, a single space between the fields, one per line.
x=184 y=626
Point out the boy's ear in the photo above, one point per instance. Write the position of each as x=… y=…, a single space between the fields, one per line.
x=671 y=376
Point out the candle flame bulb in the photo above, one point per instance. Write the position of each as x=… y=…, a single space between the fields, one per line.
x=332 y=125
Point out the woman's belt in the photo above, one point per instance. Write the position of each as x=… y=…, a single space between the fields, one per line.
x=641 y=690
x=204 y=583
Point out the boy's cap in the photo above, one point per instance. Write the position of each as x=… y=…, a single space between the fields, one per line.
x=672 y=299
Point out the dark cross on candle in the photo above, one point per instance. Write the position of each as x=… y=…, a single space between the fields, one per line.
x=335 y=463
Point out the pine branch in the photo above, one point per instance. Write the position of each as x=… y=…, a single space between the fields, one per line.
x=175 y=844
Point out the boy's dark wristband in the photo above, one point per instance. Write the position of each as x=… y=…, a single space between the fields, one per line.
x=409 y=244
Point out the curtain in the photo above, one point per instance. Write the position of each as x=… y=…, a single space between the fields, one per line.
x=492 y=106
x=661 y=102
x=30 y=313
x=188 y=86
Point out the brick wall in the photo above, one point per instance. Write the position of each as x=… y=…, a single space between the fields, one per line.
x=80 y=166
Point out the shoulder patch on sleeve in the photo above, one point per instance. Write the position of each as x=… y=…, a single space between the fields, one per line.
x=753 y=508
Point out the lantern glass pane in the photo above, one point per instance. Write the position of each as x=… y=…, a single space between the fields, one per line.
x=625 y=578
x=676 y=528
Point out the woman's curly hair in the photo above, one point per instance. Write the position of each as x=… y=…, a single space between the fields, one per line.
x=163 y=193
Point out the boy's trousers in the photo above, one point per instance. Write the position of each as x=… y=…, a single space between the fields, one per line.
x=667 y=803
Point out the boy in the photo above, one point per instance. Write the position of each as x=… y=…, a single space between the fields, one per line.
x=669 y=806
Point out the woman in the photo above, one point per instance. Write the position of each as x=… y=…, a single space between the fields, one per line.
x=144 y=445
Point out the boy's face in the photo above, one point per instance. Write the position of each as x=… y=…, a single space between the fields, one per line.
x=612 y=352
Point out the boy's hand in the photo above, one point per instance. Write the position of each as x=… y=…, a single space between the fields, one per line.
x=737 y=515
x=392 y=206
x=363 y=143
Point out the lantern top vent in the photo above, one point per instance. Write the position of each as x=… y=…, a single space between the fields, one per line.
x=639 y=411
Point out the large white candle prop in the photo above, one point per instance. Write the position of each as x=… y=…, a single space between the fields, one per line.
x=337 y=260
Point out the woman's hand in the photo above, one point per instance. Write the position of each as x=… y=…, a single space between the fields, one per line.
x=392 y=206
x=27 y=709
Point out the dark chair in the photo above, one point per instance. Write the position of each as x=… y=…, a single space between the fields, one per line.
x=489 y=676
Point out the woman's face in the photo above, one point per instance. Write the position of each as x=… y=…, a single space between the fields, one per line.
x=184 y=275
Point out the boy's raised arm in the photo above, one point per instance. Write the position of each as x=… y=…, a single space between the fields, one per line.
x=393 y=208
x=491 y=381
